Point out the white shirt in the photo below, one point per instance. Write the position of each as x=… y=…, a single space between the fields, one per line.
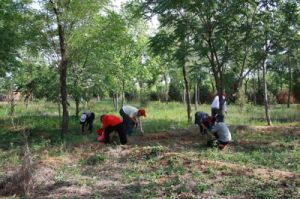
x=130 y=111
x=133 y=113
x=216 y=103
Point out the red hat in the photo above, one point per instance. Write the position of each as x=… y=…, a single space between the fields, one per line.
x=142 y=112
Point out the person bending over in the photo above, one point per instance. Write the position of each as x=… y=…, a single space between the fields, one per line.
x=87 y=119
x=131 y=118
x=111 y=123
x=204 y=121
x=221 y=133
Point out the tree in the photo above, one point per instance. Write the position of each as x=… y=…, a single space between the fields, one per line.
x=13 y=15
x=175 y=44
x=63 y=17
x=290 y=38
x=210 y=29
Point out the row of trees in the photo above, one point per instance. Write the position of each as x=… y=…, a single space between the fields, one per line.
x=232 y=38
x=62 y=49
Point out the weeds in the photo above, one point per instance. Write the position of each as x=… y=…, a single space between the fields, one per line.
x=156 y=168
x=94 y=160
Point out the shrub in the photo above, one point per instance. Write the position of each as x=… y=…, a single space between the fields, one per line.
x=282 y=97
x=175 y=91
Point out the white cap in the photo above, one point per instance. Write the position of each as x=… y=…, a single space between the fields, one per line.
x=83 y=118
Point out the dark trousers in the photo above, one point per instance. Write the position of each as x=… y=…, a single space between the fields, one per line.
x=119 y=129
x=88 y=122
x=128 y=124
x=214 y=111
x=219 y=141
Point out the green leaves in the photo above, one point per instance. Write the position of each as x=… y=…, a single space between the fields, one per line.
x=12 y=29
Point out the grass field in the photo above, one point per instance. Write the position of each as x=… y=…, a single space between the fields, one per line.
x=169 y=161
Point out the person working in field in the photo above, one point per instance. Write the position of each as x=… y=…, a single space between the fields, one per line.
x=215 y=106
x=221 y=133
x=111 y=123
x=131 y=118
x=204 y=121
x=87 y=119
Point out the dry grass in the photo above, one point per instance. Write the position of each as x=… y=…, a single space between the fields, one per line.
x=150 y=166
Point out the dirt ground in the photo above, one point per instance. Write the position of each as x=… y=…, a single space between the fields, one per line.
x=46 y=183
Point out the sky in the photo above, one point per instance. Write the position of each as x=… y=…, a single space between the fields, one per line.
x=153 y=24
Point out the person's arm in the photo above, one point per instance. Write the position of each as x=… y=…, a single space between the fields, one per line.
x=81 y=128
x=203 y=126
x=215 y=128
x=134 y=120
x=225 y=107
x=103 y=126
x=141 y=125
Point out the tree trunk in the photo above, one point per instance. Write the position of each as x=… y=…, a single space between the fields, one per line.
x=196 y=96
x=184 y=95
x=62 y=69
x=116 y=101
x=290 y=81
x=12 y=104
x=258 y=81
x=26 y=104
x=77 y=108
x=123 y=93
x=199 y=91
x=281 y=77
x=266 y=93
x=59 y=113
x=254 y=89
x=63 y=91
x=213 y=87
x=221 y=100
x=141 y=97
x=220 y=89
x=187 y=92
x=246 y=87
x=166 y=88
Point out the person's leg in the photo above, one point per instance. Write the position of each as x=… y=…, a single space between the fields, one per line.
x=222 y=145
x=107 y=131
x=90 y=126
x=216 y=135
x=129 y=126
x=81 y=127
x=212 y=142
x=122 y=134
x=122 y=113
x=214 y=111
x=127 y=123
x=201 y=129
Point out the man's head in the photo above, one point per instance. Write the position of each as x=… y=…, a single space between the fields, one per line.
x=83 y=118
x=141 y=112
